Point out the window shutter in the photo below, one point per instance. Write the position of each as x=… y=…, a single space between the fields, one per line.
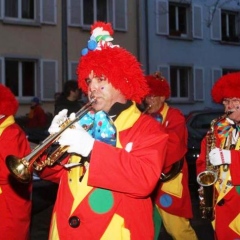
x=49 y=12
x=72 y=70
x=38 y=11
x=215 y=24
x=198 y=84
x=197 y=22
x=238 y=24
x=49 y=78
x=1 y=70
x=1 y=9
x=164 y=70
x=162 y=17
x=216 y=74
x=118 y=14
x=74 y=13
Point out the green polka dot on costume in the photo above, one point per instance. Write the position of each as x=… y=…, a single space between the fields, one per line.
x=238 y=189
x=101 y=200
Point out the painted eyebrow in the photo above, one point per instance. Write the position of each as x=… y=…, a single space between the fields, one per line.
x=87 y=80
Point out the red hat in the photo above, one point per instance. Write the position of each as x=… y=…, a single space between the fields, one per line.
x=158 y=85
x=8 y=102
x=228 y=86
x=118 y=65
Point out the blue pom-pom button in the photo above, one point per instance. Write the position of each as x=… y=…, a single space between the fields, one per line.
x=92 y=44
x=84 y=51
x=165 y=200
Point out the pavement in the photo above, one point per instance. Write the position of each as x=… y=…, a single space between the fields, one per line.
x=44 y=194
x=43 y=198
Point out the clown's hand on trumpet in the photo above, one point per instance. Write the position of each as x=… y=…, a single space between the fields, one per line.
x=77 y=139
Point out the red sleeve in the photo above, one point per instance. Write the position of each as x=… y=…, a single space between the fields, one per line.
x=133 y=172
x=54 y=172
x=235 y=166
x=201 y=161
x=177 y=143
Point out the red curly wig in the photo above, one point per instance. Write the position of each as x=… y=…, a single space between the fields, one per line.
x=8 y=102
x=228 y=86
x=118 y=65
x=158 y=85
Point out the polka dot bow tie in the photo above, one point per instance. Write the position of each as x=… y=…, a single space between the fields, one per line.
x=100 y=126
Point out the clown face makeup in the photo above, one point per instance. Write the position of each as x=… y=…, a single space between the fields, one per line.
x=232 y=106
x=155 y=103
x=104 y=93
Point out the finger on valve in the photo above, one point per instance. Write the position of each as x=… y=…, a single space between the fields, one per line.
x=57 y=121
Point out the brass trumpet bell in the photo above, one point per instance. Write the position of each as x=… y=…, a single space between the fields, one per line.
x=19 y=168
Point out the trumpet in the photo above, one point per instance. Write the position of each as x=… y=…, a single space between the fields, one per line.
x=22 y=168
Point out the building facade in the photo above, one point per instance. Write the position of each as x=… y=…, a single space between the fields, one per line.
x=192 y=43
x=41 y=42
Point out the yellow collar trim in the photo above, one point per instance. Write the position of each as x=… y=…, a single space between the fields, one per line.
x=164 y=112
x=126 y=119
x=9 y=121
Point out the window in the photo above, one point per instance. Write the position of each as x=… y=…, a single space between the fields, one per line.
x=180 y=82
x=229 y=27
x=83 y=13
x=20 y=77
x=179 y=16
x=20 y=9
x=94 y=10
x=228 y=70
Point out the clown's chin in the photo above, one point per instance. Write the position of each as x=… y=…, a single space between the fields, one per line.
x=228 y=113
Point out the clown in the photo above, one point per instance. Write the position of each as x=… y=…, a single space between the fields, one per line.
x=15 y=197
x=106 y=181
x=225 y=157
x=171 y=197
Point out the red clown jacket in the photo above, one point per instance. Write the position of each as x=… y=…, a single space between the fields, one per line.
x=227 y=201
x=113 y=198
x=15 y=197
x=173 y=196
